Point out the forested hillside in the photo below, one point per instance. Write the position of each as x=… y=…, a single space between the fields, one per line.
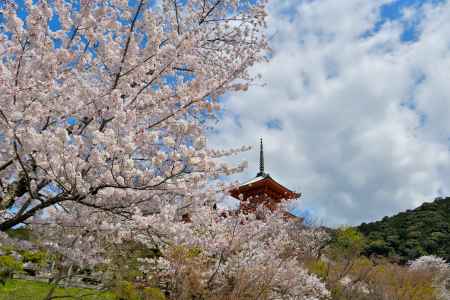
x=408 y=235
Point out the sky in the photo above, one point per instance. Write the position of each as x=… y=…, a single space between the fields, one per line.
x=353 y=107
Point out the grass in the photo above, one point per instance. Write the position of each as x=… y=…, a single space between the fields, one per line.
x=34 y=290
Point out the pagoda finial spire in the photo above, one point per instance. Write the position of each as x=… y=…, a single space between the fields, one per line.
x=261 y=159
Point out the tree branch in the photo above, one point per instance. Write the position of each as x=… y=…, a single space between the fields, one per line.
x=127 y=44
x=19 y=64
x=10 y=223
x=203 y=18
x=176 y=16
x=6 y=164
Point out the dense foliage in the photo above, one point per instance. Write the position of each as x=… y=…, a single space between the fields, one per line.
x=349 y=274
x=411 y=234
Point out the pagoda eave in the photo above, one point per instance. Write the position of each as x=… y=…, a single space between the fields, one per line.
x=265 y=184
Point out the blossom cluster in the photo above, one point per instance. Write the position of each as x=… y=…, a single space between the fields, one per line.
x=105 y=103
x=440 y=269
x=236 y=255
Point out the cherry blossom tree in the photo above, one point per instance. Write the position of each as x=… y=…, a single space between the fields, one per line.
x=104 y=104
x=243 y=257
x=214 y=256
x=104 y=107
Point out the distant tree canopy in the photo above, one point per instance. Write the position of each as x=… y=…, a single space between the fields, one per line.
x=411 y=234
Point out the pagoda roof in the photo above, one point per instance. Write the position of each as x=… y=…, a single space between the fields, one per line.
x=267 y=180
x=256 y=179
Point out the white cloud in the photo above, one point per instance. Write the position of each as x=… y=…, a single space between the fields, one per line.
x=342 y=96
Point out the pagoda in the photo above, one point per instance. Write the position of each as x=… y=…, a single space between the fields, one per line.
x=262 y=190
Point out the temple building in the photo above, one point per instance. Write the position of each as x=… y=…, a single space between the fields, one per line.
x=262 y=189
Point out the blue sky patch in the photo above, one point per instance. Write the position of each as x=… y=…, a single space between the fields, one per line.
x=274 y=124
x=306 y=214
x=394 y=11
